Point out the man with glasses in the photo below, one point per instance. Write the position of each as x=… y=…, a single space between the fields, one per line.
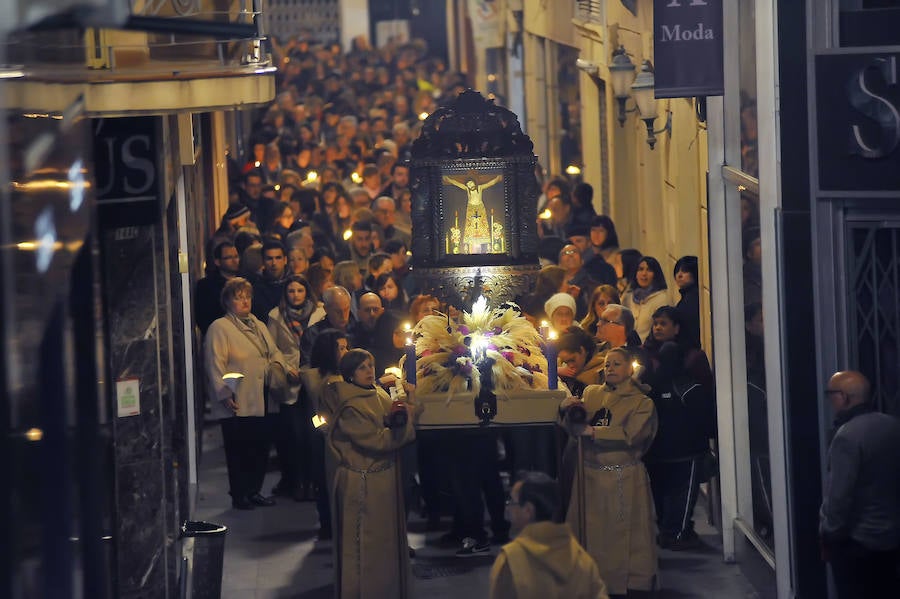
x=859 y=521
x=545 y=559
x=616 y=326
x=580 y=283
x=208 y=304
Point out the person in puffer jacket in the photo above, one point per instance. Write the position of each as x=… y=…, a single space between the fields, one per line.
x=544 y=561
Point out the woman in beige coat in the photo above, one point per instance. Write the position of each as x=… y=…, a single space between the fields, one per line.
x=369 y=520
x=239 y=345
x=618 y=528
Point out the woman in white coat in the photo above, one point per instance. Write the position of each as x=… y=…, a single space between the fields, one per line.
x=240 y=346
x=648 y=292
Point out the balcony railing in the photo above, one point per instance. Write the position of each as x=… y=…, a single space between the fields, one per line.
x=178 y=37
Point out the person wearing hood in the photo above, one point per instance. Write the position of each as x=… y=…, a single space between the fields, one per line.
x=368 y=517
x=618 y=529
x=544 y=560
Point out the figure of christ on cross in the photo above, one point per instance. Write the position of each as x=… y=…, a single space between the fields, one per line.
x=476 y=238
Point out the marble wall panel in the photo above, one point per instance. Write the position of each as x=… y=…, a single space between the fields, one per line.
x=141 y=547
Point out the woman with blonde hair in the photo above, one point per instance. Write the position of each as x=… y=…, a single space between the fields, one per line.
x=242 y=362
x=602 y=296
x=611 y=509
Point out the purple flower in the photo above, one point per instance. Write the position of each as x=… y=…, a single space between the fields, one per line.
x=460 y=350
x=497 y=330
x=508 y=355
x=463 y=329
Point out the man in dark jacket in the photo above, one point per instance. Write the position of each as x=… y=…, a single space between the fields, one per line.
x=859 y=521
x=269 y=286
x=207 y=298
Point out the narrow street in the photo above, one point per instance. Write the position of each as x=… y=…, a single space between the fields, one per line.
x=273 y=552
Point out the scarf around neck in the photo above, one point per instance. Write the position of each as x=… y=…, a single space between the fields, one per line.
x=640 y=294
x=297 y=318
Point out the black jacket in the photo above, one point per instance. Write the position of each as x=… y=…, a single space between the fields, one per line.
x=266 y=295
x=207 y=300
x=689 y=308
x=685 y=413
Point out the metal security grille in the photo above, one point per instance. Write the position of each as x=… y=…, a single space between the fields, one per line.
x=320 y=19
x=874 y=307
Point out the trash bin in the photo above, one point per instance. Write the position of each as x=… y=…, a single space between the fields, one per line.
x=204 y=550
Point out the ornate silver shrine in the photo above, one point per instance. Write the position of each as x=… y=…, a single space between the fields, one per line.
x=474 y=203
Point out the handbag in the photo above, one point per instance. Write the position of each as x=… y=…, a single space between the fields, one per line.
x=277 y=383
x=276 y=386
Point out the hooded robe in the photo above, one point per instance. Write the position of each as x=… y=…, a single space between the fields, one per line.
x=371 y=557
x=620 y=529
x=545 y=562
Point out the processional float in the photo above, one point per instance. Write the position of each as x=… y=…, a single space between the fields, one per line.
x=475 y=248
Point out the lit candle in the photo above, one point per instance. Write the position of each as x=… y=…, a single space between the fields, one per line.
x=545 y=328
x=410 y=364
x=552 y=377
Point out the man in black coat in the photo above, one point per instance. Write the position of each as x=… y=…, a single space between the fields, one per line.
x=269 y=286
x=859 y=521
x=207 y=297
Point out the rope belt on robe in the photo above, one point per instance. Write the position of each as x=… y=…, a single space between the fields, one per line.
x=362 y=500
x=619 y=469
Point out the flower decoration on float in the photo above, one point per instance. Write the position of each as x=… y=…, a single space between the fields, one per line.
x=448 y=352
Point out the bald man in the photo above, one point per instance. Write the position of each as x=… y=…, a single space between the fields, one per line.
x=859 y=521
x=374 y=331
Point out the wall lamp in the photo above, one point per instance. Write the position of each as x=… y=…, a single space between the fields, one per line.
x=641 y=87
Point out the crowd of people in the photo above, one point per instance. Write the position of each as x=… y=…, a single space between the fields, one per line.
x=306 y=302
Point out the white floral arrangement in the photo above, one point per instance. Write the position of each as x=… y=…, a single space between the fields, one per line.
x=449 y=353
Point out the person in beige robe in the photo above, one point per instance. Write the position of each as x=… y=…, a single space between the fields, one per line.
x=619 y=529
x=544 y=561
x=371 y=552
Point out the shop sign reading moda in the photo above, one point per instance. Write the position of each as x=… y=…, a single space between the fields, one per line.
x=687 y=48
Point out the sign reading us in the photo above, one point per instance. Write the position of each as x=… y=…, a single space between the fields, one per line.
x=858 y=121
x=687 y=48
x=125 y=167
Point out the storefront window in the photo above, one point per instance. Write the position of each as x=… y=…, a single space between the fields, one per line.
x=754 y=336
x=749 y=156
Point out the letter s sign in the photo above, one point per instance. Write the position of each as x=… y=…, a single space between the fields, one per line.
x=876 y=107
x=141 y=167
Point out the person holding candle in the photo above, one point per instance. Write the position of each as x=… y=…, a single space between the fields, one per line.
x=240 y=343
x=371 y=554
x=618 y=527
